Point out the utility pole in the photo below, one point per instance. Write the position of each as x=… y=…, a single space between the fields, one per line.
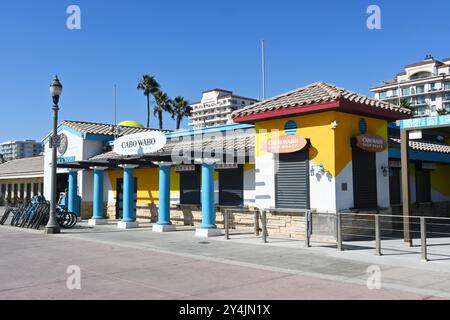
x=263 y=71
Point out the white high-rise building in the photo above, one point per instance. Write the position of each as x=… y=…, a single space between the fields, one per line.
x=11 y=150
x=425 y=85
x=216 y=107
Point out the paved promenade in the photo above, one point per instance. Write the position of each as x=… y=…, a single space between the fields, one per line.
x=140 y=264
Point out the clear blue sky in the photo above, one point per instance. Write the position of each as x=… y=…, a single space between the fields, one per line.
x=191 y=46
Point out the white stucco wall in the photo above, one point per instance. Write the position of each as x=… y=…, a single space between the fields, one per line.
x=382 y=160
x=249 y=187
x=344 y=199
x=265 y=181
x=322 y=190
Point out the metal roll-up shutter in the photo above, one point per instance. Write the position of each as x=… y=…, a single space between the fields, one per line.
x=292 y=181
x=231 y=187
x=364 y=179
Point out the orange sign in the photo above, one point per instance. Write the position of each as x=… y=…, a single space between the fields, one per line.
x=371 y=143
x=286 y=144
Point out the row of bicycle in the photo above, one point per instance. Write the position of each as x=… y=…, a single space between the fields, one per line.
x=35 y=214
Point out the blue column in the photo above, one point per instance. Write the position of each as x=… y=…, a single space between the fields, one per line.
x=128 y=194
x=164 y=195
x=72 y=193
x=208 y=207
x=98 y=194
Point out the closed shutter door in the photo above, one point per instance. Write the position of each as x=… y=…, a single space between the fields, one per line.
x=231 y=187
x=190 y=183
x=292 y=181
x=423 y=186
x=364 y=179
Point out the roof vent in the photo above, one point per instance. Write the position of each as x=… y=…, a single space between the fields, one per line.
x=429 y=57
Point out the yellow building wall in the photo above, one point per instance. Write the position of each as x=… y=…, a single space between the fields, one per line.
x=316 y=127
x=348 y=127
x=440 y=179
x=330 y=147
x=148 y=183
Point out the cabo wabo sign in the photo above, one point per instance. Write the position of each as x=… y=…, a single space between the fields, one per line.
x=286 y=144
x=371 y=143
x=140 y=143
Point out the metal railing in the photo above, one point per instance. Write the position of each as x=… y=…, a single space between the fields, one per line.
x=260 y=216
x=369 y=226
x=423 y=233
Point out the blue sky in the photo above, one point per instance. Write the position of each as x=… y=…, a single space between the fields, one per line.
x=191 y=46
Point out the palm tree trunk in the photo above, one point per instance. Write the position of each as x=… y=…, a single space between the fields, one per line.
x=160 y=115
x=148 y=111
x=178 y=122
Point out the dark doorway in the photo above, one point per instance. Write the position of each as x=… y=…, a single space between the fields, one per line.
x=395 y=185
x=364 y=179
x=28 y=191
x=231 y=187
x=190 y=185
x=119 y=199
x=62 y=182
x=423 y=186
x=292 y=180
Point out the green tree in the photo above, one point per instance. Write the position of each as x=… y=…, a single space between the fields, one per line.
x=149 y=86
x=181 y=109
x=404 y=103
x=442 y=112
x=162 y=104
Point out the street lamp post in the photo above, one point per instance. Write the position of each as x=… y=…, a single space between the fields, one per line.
x=53 y=225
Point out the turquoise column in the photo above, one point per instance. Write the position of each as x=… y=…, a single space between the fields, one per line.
x=98 y=193
x=208 y=206
x=128 y=194
x=164 y=194
x=72 y=193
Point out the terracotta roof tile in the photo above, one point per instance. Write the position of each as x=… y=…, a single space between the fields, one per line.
x=104 y=128
x=422 y=145
x=315 y=93
x=244 y=141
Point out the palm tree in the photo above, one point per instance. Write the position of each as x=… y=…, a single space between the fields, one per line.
x=404 y=103
x=163 y=103
x=150 y=86
x=181 y=109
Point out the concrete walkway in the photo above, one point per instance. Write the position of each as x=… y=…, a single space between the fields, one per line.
x=140 y=264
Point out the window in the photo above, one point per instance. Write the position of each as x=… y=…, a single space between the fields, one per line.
x=447 y=107
x=447 y=96
x=433 y=97
x=433 y=108
x=447 y=85
x=394 y=92
x=420 y=100
x=405 y=92
x=420 y=89
x=421 y=111
x=383 y=94
x=432 y=86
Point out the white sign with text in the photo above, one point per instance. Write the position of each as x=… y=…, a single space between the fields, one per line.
x=140 y=143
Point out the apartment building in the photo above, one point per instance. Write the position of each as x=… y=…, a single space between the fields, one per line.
x=425 y=85
x=11 y=150
x=216 y=107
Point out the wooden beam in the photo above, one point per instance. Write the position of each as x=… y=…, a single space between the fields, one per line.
x=404 y=137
